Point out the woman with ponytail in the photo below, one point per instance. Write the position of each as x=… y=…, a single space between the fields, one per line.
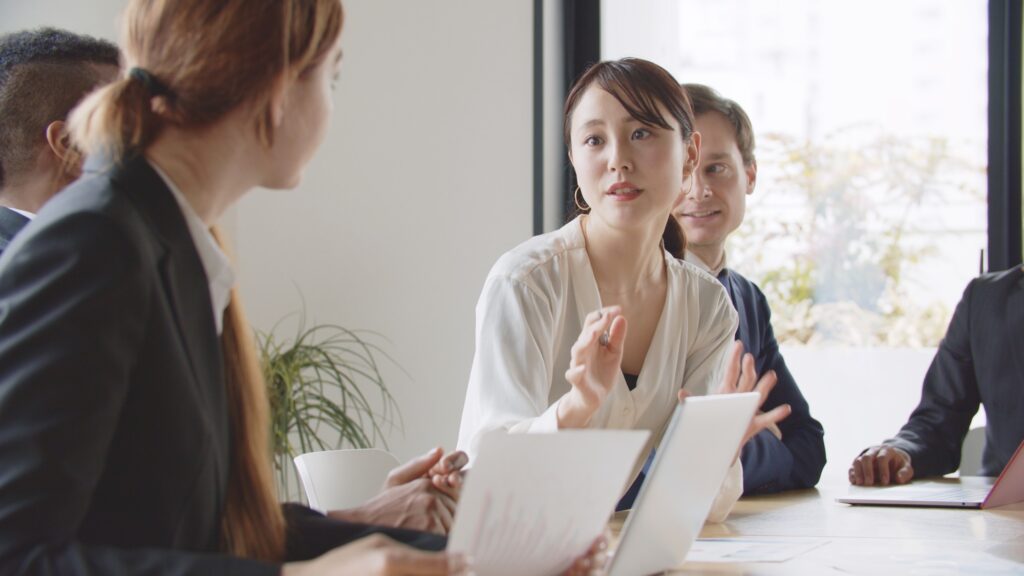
x=552 y=351
x=134 y=435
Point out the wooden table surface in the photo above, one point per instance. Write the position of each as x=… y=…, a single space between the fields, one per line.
x=870 y=539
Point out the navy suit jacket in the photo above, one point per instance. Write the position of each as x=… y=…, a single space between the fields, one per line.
x=10 y=224
x=979 y=362
x=114 y=444
x=770 y=464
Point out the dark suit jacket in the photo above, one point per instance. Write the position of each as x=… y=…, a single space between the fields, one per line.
x=770 y=464
x=114 y=443
x=10 y=224
x=979 y=362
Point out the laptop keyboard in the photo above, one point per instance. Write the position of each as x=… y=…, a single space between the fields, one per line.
x=956 y=494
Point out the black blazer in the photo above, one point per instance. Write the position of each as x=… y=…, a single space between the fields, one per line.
x=114 y=442
x=10 y=224
x=979 y=362
x=770 y=464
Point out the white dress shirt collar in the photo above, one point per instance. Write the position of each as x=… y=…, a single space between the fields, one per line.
x=29 y=215
x=714 y=271
x=219 y=275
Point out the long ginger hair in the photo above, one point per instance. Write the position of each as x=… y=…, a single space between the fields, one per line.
x=189 y=63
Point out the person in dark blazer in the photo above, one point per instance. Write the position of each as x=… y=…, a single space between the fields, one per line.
x=133 y=416
x=980 y=362
x=792 y=454
x=44 y=73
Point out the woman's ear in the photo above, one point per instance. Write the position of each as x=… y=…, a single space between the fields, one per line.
x=692 y=160
x=278 y=100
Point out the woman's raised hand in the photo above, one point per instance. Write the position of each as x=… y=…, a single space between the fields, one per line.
x=594 y=366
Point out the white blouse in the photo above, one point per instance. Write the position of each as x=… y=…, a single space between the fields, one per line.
x=531 y=312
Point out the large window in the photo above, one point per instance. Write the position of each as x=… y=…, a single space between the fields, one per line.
x=869 y=215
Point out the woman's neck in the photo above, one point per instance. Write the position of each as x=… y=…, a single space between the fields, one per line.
x=212 y=168
x=625 y=262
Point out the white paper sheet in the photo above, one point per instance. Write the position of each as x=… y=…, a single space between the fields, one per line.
x=532 y=503
x=751 y=549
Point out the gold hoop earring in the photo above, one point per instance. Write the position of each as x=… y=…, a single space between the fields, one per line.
x=576 y=198
x=693 y=178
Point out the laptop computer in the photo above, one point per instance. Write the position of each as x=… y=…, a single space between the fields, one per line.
x=533 y=503
x=969 y=492
x=689 y=466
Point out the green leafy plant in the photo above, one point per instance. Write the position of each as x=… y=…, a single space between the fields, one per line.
x=320 y=384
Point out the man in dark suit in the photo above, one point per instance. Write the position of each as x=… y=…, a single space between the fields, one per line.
x=792 y=454
x=43 y=74
x=980 y=362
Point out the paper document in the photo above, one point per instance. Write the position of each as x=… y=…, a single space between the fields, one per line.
x=759 y=549
x=533 y=503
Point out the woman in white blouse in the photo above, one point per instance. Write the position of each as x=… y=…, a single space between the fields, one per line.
x=552 y=350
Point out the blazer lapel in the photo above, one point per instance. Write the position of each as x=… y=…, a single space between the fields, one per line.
x=183 y=278
x=743 y=329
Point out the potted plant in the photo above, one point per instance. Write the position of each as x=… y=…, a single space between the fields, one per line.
x=320 y=382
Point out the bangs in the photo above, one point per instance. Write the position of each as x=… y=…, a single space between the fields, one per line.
x=644 y=89
x=640 y=104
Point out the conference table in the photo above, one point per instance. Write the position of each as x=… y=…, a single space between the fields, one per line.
x=826 y=537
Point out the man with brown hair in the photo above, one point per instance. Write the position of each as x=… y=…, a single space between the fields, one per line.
x=792 y=454
x=44 y=73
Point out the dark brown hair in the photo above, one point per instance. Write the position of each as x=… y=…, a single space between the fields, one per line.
x=201 y=60
x=640 y=86
x=706 y=99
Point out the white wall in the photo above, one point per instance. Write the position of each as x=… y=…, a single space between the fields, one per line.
x=860 y=395
x=424 y=180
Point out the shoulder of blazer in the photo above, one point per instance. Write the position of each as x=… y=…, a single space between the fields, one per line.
x=998 y=285
x=10 y=224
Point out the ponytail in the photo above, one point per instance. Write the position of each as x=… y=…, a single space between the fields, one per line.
x=253 y=524
x=117 y=120
x=674 y=239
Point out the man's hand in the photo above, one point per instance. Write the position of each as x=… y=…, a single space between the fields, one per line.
x=741 y=376
x=420 y=495
x=883 y=465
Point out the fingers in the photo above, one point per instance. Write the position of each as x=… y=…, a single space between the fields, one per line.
x=732 y=369
x=862 y=472
x=449 y=484
x=617 y=334
x=682 y=395
x=882 y=463
x=444 y=510
x=595 y=324
x=455 y=461
x=413 y=469
x=593 y=560
x=773 y=416
x=765 y=384
x=748 y=374
x=446 y=475
x=904 y=473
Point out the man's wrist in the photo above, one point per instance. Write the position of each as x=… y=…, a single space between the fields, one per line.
x=351 y=515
